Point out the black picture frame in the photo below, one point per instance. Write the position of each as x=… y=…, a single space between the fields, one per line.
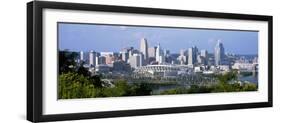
x=35 y=69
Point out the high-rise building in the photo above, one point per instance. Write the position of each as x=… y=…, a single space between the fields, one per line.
x=159 y=55
x=134 y=60
x=144 y=48
x=125 y=56
x=166 y=53
x=152 y=52
x=192 y=55
x=92 y=58
x=142 y=61
x=102 y=60
x=183 y=56
x=97 y=60
x=219 y=53
x=204 y=53
x=109 y=59
x=81 y=56
x=120 y=65
x=204 y=57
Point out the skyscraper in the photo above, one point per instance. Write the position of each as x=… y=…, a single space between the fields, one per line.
x=152 y=52
x=92 y=58
x=166 y=52
x=159 y=55
x=141 y=59
x=109 y=59
x=192 y=55
x=204 y=57
x=144 y=48
x=134 y=60
x=183 y=56
x=81 y=55
x=102 y=60
x=125 y=56
x=204 y=53
x=219 y=53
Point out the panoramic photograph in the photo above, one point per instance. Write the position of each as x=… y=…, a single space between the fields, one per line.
x=103 y=60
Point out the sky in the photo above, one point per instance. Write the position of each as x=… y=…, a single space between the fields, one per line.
x=112 y=38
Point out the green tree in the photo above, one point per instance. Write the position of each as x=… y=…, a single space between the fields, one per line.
x=224 y=79
x=250 y=87
x=141 y=89
x=121 y=88
x=96 y=80
x=73 y=85
x=67 y=61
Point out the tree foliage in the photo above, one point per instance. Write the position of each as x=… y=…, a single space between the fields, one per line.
x=72 y=85
x=67 y=61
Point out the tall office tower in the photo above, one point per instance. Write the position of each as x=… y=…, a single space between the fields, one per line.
x=109 y=59
x=166 y=53
x=183 y=56
x=144 y=48
x=204 y=53
x=204 y=57
x=125 y=56
x=192 y=55
x=158 y=50
x=142 y=61
x=134 y=60
x=81 y=56
x=219 y=53
x=159 y=55
x=152 y=52
x=92 y=58
x=200 y=59
x=97 y=60
x=102 y=60
x=195 y=53
x=130 y=53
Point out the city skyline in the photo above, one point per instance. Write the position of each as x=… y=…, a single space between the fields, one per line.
x=86 y=37
x=107 y=65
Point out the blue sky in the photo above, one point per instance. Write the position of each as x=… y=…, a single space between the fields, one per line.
x=110 y=38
